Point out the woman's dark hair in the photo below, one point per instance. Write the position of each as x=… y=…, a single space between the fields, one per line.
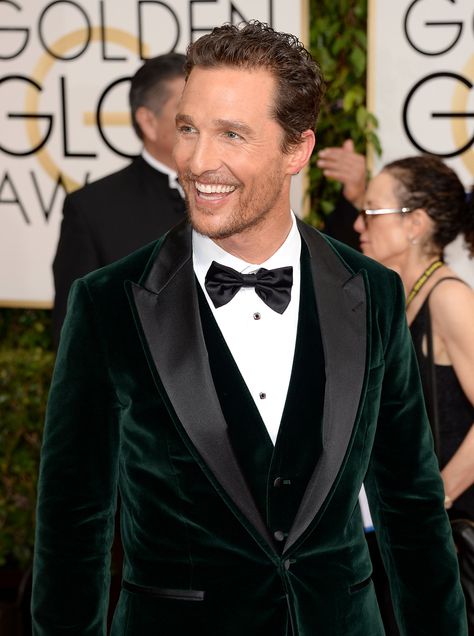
x=424 y=181
x=255 y=45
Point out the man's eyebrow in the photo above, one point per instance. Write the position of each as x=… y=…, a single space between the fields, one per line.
x=185 y=119
x=232 y=124
x=222 y=124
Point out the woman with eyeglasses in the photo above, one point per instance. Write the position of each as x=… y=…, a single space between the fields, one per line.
x=414 y=208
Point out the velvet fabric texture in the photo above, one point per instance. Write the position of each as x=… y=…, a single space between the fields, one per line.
x=133 y=407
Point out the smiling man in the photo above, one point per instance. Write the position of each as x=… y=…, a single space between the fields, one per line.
x=231 y=159
x=236 y=382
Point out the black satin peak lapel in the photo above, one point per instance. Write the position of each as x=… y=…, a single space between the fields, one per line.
x=167 y=309
x=342 y=306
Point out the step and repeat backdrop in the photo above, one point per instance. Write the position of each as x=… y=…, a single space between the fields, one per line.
x=65 y=67
x=64 y=72
x=421 y=86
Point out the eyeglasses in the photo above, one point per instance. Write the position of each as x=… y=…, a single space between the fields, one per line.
x=365 y=214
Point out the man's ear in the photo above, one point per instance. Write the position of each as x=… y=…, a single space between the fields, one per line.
x=146 y=119
x=300 y=154
x=420 y=225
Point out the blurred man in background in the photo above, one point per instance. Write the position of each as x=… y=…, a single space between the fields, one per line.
x=112 y=217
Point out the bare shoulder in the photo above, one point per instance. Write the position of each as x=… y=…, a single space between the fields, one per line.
x=450 y=287
x=452 y=303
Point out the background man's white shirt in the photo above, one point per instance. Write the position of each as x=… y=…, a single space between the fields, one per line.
x=161 y=167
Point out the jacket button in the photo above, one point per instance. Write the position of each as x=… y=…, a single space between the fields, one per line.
x=279 y=481
x=279 y=535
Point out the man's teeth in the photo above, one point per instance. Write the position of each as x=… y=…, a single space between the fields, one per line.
x=214 y=188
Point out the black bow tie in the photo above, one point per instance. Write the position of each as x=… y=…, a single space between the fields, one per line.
x=273 y=286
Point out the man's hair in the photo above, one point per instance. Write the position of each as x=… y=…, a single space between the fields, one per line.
x=424 y=181
x=255 y=45
x=149 y=85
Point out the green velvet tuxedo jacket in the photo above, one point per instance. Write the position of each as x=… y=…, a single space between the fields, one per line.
x=133 y=409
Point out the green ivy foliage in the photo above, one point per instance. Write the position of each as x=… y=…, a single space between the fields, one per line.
x=26 y=362
x=338 y=41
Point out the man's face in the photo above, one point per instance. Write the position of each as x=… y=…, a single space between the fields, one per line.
x=228 y=151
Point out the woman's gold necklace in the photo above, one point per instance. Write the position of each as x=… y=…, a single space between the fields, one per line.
x=429 y=271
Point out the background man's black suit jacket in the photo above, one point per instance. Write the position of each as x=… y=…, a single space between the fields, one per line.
x=109 y=219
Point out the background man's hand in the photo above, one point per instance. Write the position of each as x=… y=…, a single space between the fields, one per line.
x=346 y=165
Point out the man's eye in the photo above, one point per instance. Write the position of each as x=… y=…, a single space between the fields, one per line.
x=230 y=134
x=186 y=130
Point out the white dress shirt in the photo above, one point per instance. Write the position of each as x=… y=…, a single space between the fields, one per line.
x=261 y=340
x=161 y=167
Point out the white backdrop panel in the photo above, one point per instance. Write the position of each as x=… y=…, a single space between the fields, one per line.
x=421 y=86
x=64 y=72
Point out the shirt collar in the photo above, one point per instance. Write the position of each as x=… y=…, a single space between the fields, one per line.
x=161 y=167
x=205 y=251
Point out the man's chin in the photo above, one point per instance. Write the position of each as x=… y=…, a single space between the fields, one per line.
x=220 y=227
x=211 y=232
x=203 y=226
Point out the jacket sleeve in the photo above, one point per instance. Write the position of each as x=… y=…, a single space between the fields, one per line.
x=75 y=256
x=406 y=497
x=77 y=484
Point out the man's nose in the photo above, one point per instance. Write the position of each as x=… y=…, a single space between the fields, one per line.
x=359 y=224
x=204 y=156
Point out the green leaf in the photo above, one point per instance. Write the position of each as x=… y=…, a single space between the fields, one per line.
x=372 y=120
x=361 y=117
x=374 y=141
x=359 y=60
